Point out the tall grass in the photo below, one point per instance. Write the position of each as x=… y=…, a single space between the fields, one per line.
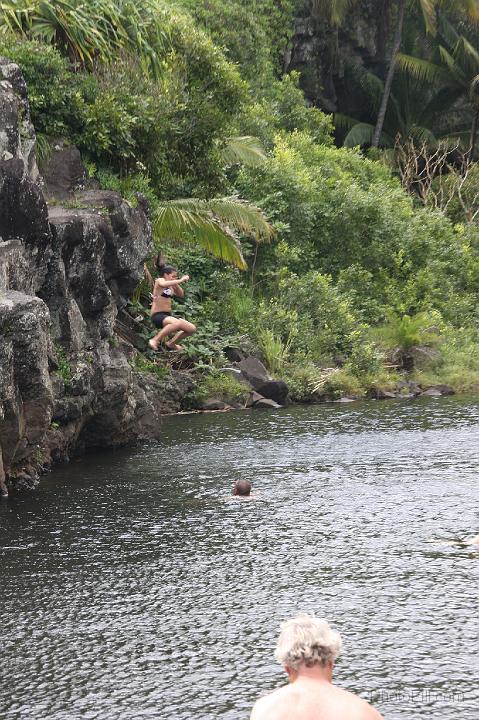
x=275 y=351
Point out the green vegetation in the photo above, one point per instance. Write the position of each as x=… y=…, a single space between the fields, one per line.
x=217 y=386
x=344 y=270
x=64 y=367
x=143 y=364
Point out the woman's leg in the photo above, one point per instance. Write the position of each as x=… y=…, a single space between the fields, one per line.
x=170 y=325
x=185 y=330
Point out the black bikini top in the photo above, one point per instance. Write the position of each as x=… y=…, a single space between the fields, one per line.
x=167 y=293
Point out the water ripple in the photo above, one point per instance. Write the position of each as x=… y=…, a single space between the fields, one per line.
x=133 y=588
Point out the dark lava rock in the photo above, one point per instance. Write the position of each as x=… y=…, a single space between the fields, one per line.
x=432 y=392
x=254 y=371
x=379 y=394
x=63 y=172
x=276 y=390
x=234 y=354
x=253 y=398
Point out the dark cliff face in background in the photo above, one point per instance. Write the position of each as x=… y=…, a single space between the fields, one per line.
x=321 y=52
x=66 y=382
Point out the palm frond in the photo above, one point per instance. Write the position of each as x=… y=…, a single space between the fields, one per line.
x=360 y=134
x=91 y=30
x=466 y=56
x=422 y=135
x=243 y=216
x=439 y=104
x=428 y=8
x=471 y=7
x=446 y=31
x=422 y=70
x=373 y=87
x=474 y=89
x=454 y=69
x=246 y=150
x=171 y=221
x=346 y=122
x=211 y=223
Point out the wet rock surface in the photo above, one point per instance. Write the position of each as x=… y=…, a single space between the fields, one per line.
x=67 y=380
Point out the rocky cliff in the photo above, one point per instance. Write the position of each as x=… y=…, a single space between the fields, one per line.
x=66 y=378
x=322 y=52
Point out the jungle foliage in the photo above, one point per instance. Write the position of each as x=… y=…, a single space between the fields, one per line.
x=333 y=272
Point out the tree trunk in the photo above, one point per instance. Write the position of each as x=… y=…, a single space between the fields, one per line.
x=382 y=29
x=474 y=132
x=389 y=79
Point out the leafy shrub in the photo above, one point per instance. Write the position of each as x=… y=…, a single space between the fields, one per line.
x=457 y=365
x=275 y=351
x=64 y=367
x=405 y=332
x=281 y=106
x=54 y=92
x=365 y=359
x=302 y=376
x=128 y=186
x=254 y=33
x=220 y=386
x=143 y=365
x=342 y=383
x=325 y=319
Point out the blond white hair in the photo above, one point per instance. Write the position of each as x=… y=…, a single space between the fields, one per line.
x=307 y=640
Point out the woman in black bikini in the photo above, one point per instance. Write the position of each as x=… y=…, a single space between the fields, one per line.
x=165 y=287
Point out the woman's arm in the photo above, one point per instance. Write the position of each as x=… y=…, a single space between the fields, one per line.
x=174 y=283
x=148 y=276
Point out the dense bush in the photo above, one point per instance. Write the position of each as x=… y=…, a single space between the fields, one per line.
x=254 y=33
x=347 y=217
x=119 y=116
x=55 y=93
x=281 y=105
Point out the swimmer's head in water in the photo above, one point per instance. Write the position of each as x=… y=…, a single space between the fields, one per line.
x=242 y=487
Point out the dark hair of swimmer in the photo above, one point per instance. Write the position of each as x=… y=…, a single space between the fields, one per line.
x=242 y=487
x=161 y=266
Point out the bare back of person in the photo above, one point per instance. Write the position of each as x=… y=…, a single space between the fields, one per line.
x=308 y=699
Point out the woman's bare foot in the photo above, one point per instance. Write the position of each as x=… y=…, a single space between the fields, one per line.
x=174 y=346
x=153 y=345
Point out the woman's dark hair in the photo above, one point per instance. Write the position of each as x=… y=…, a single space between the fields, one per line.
x=162 y=267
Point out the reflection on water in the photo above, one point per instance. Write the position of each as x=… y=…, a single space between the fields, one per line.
x=131 y=587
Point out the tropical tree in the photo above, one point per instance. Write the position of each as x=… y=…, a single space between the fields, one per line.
x=335 y=10
x=413 y=110
x=213 y=224
x=455 y=65
x=429 y=10
x=91 y=30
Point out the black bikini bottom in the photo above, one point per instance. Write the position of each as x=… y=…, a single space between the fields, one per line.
x=158 y=318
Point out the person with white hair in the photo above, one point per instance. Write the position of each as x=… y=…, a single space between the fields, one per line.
x=307 y=648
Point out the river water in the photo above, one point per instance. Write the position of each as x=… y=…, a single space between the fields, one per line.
x=133 y=587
